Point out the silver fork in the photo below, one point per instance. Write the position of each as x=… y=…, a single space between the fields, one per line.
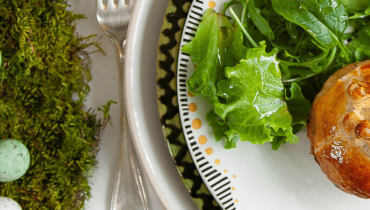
x=128 y=192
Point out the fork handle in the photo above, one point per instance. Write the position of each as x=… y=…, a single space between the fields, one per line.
x=128 y=192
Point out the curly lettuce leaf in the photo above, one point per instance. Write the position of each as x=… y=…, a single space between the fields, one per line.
x=219 y=125
x=283 y=137
x=243 y=85
x=217 y=44
x=298 y=105
x=254 y=98
x=299 y=108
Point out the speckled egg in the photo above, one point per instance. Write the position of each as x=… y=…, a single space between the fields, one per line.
x=14 y=160
x=9 y=204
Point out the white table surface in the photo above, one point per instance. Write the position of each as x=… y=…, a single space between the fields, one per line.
x=104 y=87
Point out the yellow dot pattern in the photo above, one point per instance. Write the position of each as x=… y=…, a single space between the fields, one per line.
x=196 y=124
x=202 y=139
x=211 y=4
x=192 y=107
x=209 y=151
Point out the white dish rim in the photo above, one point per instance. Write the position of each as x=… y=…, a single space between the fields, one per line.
x=130 y=110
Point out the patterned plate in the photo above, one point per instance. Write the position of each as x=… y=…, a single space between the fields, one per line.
x=247 y=177
x=168 y=49
x=193 y=109
x=168 y=55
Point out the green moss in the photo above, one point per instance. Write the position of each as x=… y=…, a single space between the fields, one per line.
x=41 y=68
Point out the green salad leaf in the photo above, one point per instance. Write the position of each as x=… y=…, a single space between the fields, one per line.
x=356 y=5
x=263 y=93
x=217 y=44
x=259 y=20
x=325 y=20
x=360 y=44
x=254 y=96
x=298 y=105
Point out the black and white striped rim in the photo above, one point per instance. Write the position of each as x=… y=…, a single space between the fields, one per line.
x=218 y=184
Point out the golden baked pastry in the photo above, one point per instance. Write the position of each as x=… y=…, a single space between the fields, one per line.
x=339 y=129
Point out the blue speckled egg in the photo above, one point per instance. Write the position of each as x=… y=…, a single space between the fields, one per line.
x=14 y=160
x=8 y=204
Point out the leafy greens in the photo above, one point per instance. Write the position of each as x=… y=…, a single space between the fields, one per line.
x=210 y=63
x=263 y=92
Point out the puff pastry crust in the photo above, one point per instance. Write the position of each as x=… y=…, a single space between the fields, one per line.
x=339 y=129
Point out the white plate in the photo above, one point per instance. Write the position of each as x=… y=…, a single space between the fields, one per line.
x=252 y=176
x=140 y=87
